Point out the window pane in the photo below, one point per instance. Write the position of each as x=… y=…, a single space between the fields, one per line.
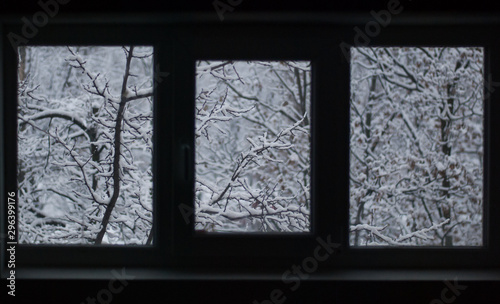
x=85 y=145
x=253 y=146
x=416 y=172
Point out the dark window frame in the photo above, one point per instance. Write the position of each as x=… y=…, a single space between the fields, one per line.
x=452 y=35
x=251 y=245
x=178 y=44
x=75 y=255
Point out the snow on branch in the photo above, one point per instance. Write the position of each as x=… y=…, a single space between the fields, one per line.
x=377 y=231
x=97 y=179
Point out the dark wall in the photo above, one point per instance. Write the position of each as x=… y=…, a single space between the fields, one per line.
x=232 y=291
x=246 y=292
x=27 y=6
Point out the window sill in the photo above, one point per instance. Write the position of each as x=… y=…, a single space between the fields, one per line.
x=253 y=275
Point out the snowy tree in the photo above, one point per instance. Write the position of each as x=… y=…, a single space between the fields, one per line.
x=253 y=146
x=416 y=139
x=85 y=145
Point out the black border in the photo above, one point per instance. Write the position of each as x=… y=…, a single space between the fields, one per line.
x=261 y=42
x=460 y=256
x=180 y=43
x=75 y=255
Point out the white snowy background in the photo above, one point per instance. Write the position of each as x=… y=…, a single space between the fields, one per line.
x=253 y=146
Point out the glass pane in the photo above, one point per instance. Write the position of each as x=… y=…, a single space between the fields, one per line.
x=416 y=172
x=253 y=146
x=85 y=145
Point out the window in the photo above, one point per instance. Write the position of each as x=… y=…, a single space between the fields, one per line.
x=71 y=102
x=200 y=68
x=252 y=82
x=252 y=138
x=416 y=166
x=78 y=72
